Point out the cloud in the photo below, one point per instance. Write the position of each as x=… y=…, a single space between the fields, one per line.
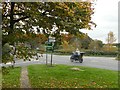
x=106 y=18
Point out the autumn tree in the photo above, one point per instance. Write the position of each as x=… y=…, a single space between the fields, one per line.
x=96 y=45
x=85 y=41
x=65 y=45
x=20 y=18
x=66 y=37
x=23 y=16
x=35 y=41
x=110 y=40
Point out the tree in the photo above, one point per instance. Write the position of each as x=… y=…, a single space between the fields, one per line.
x=35 y=41
x=65 y=45
x=95 y=45
x=7 y=53
x=19 y=19
x=77 y=43
x=85 y=41
x=68 y=16
x=110 y=40
x=66 y=37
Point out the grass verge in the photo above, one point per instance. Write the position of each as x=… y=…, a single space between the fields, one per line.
x=11 y=77
x=0 y=78
x=61 y=76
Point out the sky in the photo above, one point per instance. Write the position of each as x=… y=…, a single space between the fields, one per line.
x=106 y=18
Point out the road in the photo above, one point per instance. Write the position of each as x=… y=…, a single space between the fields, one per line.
x=98 y=62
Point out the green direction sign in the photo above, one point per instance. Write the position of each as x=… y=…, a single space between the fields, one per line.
x=48 y=44
x=49 y=48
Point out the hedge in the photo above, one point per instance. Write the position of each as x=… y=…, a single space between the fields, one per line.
x=101 y=53
x=89 y=53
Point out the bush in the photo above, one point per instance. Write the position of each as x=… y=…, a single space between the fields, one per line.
x=63 y=52
x=88 y=53
x=5 y=70
x=101 y=53
x=118 y=56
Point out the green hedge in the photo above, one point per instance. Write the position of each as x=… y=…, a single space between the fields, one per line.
x=88 y=53
x=62 y=52
x=101 y=53
x=118 y=56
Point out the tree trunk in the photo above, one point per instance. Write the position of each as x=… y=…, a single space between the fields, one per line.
x=11 y=18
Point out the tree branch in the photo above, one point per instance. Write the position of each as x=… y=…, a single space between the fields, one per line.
x=22 y=13
x=13 y=14
x=20 y=19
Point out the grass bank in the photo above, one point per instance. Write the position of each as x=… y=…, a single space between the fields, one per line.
x=61 y=76
x=11 y=77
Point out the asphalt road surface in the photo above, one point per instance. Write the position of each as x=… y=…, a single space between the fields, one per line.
x=98 y=62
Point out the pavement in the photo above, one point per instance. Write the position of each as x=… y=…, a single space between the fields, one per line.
x=98 y=62
x=24 y=80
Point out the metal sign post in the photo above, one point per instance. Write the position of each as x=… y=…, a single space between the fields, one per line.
x=49 y=47
x=51 y=57
x=46 y=56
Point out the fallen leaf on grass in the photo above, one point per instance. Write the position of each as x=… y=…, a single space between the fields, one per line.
x=76 y=69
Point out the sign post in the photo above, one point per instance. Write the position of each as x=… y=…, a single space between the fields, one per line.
x=46 y=56
x=50 y=47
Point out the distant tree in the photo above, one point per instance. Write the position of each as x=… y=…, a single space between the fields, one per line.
x=85 y=41
x=66 y=37
x=110 y=40
x=112 y=48
x=95 y=45
x=65 y=45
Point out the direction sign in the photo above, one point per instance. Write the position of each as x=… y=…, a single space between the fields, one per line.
x=48 y=43
x=49 y=48
x=51 y=39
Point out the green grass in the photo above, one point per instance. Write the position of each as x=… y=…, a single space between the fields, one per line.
x=0 y=78
x=61 y=76
x=11 y=79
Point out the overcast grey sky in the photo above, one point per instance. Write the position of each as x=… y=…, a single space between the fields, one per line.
x=106 y=18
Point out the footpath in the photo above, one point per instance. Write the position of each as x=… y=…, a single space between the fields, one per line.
x=24 y=78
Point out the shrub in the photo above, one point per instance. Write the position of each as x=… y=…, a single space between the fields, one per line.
x=101 y=53
x=5 y=70
x=118 y=56
x=63 y=52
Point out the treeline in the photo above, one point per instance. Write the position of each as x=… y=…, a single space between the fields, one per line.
x=86 y=44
